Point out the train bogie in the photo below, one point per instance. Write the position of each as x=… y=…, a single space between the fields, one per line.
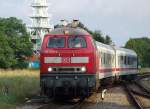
x=68 y=84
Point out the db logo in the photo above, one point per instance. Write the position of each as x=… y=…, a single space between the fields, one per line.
x=66 y=60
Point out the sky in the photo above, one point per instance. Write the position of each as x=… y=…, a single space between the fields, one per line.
x=120 y=19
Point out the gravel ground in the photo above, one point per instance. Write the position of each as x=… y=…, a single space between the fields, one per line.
x=146 y=82
x=115 y=98
x=33 y=106
x=144 y=101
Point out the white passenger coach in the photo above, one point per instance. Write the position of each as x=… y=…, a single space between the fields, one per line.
x=115 y=61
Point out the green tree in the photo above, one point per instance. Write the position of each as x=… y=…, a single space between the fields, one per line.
x=108 y=40
x=142 y=48
x=15 y=43
x=97 y=35
x=81 y=25
x=7 y=58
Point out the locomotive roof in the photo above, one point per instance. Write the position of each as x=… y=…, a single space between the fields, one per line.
x=71 y=31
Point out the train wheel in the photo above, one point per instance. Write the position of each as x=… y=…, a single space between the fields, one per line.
x=131 y=77
x=49 y=92
x=42 y=91
x=128 y=77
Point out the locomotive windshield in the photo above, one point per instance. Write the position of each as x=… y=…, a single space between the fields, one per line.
x=77 y=42
x=56 y=42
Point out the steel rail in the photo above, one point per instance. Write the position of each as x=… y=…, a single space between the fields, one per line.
x=79 y=104
x=143 y=75
x=141 y=94
x=142 y=87
x=132 y=97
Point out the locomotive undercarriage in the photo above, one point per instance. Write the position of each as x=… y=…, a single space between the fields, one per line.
x=68 y=85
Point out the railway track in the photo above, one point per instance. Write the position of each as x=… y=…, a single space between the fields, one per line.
x=144 y=89
x=142 y=75
x=132 y=93
x=135 y=102
x=66 y=105
x=79 y=105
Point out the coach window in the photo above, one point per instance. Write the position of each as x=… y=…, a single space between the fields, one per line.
x=126 y=60
x=134 y=61
x=112 y=59
x=121 y=60
x=129 y=60
x=101 y=55
x=77 y=42
x=103 y=58
x=106 y=59
x=109 y=59
x=56 y=42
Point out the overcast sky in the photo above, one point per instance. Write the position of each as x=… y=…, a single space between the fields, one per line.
x=121 y=19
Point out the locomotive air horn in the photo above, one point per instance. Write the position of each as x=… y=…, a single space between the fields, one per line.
x=75 y=23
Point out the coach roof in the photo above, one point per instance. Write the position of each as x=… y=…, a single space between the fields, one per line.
x=124 y=50
x=70 y=31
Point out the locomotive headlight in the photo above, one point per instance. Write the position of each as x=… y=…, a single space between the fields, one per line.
x=83 y=69
x=50 y=69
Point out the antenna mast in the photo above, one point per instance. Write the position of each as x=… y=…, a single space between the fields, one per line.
x=40 y=22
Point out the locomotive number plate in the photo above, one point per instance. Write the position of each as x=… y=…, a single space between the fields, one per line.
x=66 y=60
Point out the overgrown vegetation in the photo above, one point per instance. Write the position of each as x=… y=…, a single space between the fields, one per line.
x=15 y=45
x=142 y=48
x=16 y=85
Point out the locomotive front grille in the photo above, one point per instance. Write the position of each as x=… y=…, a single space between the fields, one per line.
x=67 y=69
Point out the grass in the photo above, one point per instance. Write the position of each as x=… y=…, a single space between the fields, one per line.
x=145 y=70
x=16 y=85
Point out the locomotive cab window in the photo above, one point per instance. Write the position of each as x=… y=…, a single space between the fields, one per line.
x=77 y=42
x=56 y=42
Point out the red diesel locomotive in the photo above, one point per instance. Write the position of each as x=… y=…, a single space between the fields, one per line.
x=68 y=62
x=73 y=64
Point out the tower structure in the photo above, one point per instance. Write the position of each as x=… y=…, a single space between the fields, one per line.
x=40 y=22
